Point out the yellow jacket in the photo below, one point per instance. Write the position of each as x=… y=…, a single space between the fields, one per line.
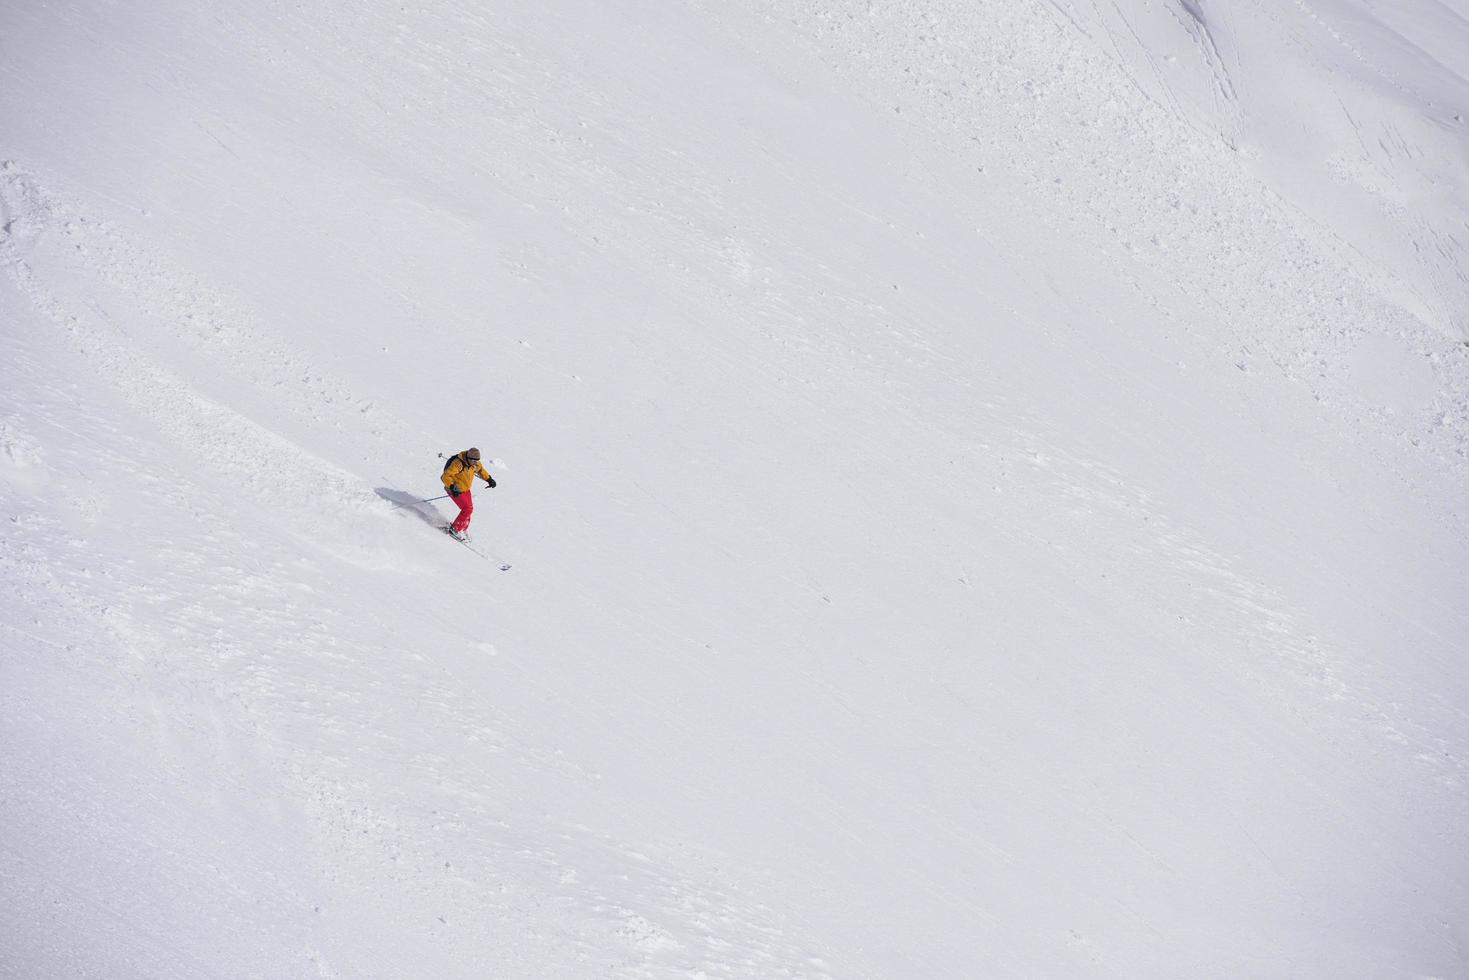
x=459 y=473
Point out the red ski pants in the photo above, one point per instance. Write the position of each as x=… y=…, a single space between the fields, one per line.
x=466 y=508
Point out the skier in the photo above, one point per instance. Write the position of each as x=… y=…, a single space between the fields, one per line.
x=459 y=473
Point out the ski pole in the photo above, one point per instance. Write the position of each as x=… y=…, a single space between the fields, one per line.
x=411 y=503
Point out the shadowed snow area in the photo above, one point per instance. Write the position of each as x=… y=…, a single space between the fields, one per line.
x=984 y=481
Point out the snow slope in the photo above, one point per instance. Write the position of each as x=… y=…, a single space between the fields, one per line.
x=968 y=517
x=1352 y=111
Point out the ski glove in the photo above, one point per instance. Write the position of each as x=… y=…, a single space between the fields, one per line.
x=490 y=482
x=454 y=493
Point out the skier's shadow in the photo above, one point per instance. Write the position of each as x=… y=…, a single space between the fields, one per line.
x=408 y=503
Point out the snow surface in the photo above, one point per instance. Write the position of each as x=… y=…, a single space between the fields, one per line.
x=985 y=483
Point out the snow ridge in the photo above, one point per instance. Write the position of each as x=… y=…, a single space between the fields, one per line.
x=1177 y=213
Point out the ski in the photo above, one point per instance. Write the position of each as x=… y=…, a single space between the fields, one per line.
x=504 y=566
